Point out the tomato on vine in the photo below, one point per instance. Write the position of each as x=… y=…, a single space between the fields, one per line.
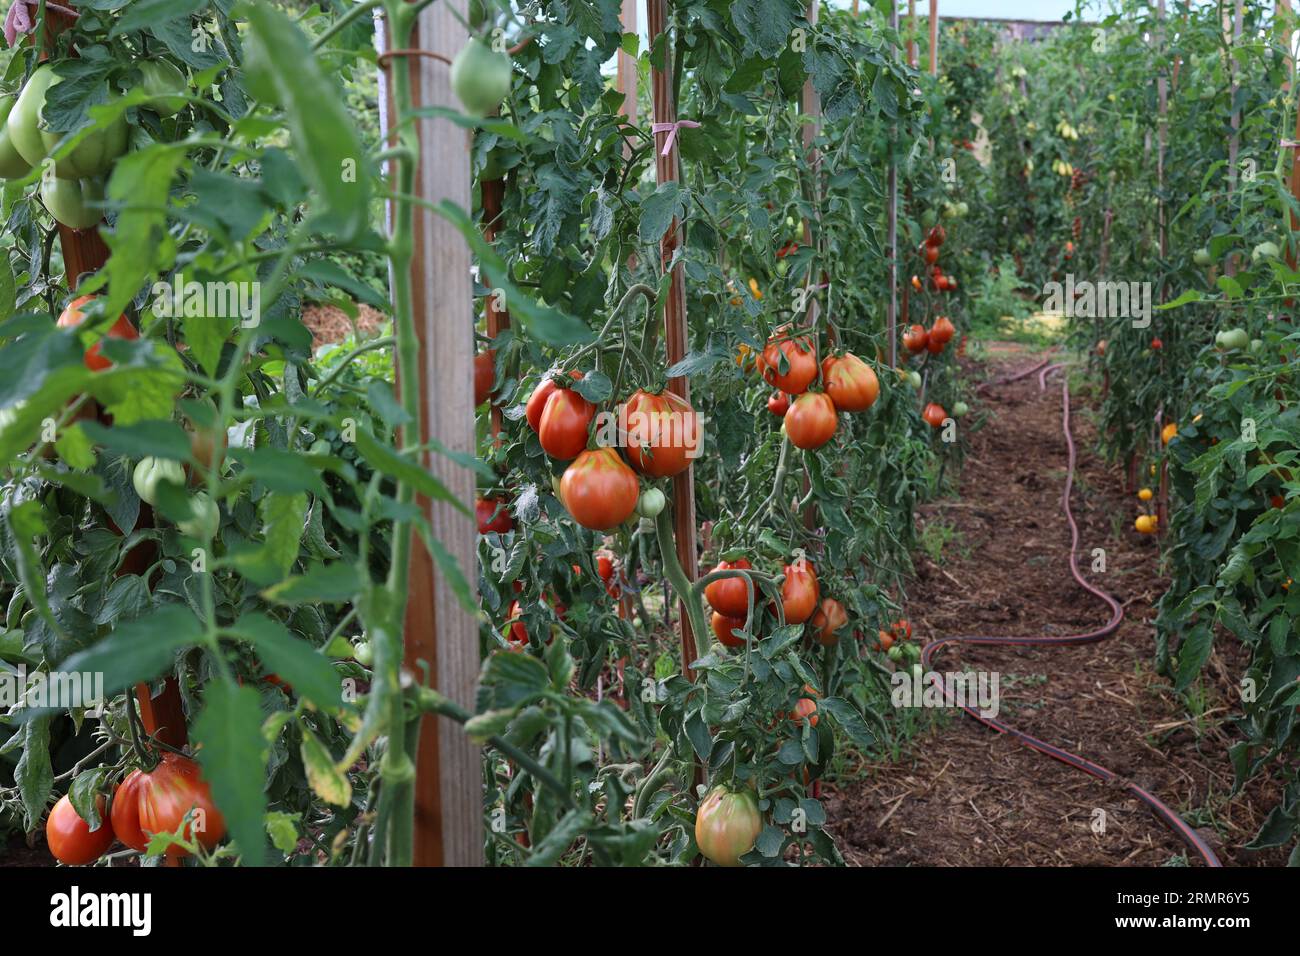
x=729 y=596
x=788 y=362
x=727 y=825
x=565 y=420
x=70 y=838
x=850 y=383
x=811 y=420
x=73 y=316
x=599 y=490
x=662 y=433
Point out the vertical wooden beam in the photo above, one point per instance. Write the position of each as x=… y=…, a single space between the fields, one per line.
x=911 y=33
x=1234 y=138
x=891 y=217
x=493 y=192
x=441 y=637
x=1295 y=157
x=934 y=37
x=627 y=77
x=676 y=336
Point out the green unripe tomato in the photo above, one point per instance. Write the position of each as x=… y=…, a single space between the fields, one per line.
x=12 y=164
x=959 y=409
x=70 y=201
x=1265 y=250
x=23 y=121
x=1233 y=339
x=1202 y=257
x=161 y=77
x=962 y=209
x=651 y=503
x=94 y=155
x=1256 y=346
x=364 y=654
x=914 y=379
x=204 y=520
x=480 y=78
x=895 y=653
x=152 y=471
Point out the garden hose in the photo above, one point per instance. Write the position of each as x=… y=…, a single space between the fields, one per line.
x=1166 y=815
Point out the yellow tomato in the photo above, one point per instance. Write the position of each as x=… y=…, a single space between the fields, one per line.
x=1168 y=432
x=1145 y=494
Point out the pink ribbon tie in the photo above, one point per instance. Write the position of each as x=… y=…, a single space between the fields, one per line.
x=671 y=129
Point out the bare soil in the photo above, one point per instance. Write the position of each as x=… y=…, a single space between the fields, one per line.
x=965 y=795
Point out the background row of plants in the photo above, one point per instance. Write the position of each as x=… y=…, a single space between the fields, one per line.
x=1072 y=187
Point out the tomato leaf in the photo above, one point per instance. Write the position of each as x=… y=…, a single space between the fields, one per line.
x=328 y=583
x=233 y=756
x=326 y=142
x=34 y=773
x=329 y=783
x=139 y=650
x=291 y=658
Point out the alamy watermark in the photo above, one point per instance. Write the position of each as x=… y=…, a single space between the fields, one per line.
x=976 y=690
x=1099 y=300
x=61 y=690
x=180 y=299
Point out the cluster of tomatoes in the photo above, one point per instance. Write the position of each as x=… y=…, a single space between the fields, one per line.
x=788 y=362
x=159 y=800
x=930 y=252
x=73 y=186
x=897 y=644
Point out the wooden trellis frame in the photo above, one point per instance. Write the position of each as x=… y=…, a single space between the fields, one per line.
x=441 y=637
x=676 y=334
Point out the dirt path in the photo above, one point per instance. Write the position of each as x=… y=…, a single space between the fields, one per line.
x=965 y=795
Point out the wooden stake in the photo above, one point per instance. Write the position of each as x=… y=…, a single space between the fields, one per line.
x=891 y=214
x=934 y=37
x=442 y=647
x=675 y=331
x=911 y=33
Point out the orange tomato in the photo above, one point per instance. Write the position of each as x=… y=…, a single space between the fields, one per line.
x=799 y=358
x=599 y=490
x=121 y=329
x=850 y=383
x=811 y=420
x=662 y=433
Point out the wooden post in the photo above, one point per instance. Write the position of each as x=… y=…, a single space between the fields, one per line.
x=1295 y=164
x=441 y=638
x=934 y=37
x=911 y=33
x=627 y=66
x=675 y=331
x=891 y=215
x=1234 y=139
x=498 y=319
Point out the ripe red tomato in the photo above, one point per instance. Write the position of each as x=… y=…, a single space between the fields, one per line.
x=723 y=626
x=915 y=338
x=934 y=345
x=126 y=812
x=936 y=236
x=778 y=403
x=605 y=565
x=537 y=401
x=804 y=707
x=727 y=825
x=943 y=330
x=599 y=490
x=169 y=792
x=811 y=420
x=902 y=629
x=1157 y=345
x=484 y=375
x=121 y=329
x=663 y=433
x=886 y=640
x=492 y=515
x=514 y=617
x=801 y=362
x=931 y=254
x=729 y=596
x=934 y=415
x=830 y=617
x=70 y=838
x=563 y=428
x=1277 y=501
x=850 y=382
x=799 y=592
